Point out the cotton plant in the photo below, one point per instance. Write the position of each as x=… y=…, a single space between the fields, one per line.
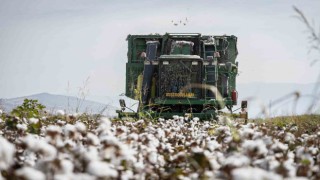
x=69 y=147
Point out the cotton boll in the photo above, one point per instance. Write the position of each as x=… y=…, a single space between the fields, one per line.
x=214 y=164
x=29 y=173
x=297 y=178
x=104 y=127
x=179 y=156
x=246 y=132
x=224 y=120
x=82 y=176
x=160 y=134
x=106 y=121
x=60 y=113
x=289 y=138
x=153 y=142
x=127 y=175
x=290 y=156
x=279 y=147
x=61 y=122
x=313 y=150
x=227 y=139
x=30 y=158
x=67 y=144
x=66 y=167
x=69 y=130
x=268 y=141
x=290 y=168
x=101 y=170
x=7 y=151
x=261 y=163
x=139 y=122
x=124 y=153
x=213 y=145
x=150 y=129
x=63 y=176
x=22 y=127
x=194 y=176
x=255 y=147
x=181 y=120
x=152 y=157
x=40 y=146
x=175 y=117
x=161 y=161
x=93 y=139
x=53 y=130
x=273 y=164
x=250 y=173
x=209 y=175
x=139 y=166
x=304 y=137
x=206 y=126
x=236 y=160
x=133 y=137
x=71 y=117
x=294 y=129
x=91 y=154
x=223 y=130
x=33 y=120
x=168 y=148
x=316 y=170
x=121 y=131
x=161 y=120
x=81 y=127
x=257 y=135
x=195 y=119
x=48 y=151
x=109 y=140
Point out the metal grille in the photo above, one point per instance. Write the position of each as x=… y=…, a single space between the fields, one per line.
x=176 y=75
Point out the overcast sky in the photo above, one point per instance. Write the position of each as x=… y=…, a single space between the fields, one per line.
x=46 y=44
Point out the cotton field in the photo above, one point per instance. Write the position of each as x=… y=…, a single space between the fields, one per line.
x=74 y=148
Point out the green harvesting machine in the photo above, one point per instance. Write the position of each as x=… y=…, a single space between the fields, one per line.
x=185 y=74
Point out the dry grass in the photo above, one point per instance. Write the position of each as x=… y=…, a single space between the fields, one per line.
x=305 y=123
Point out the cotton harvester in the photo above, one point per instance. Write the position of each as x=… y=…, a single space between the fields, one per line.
x=185 y=74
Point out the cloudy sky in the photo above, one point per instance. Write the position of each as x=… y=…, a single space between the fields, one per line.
x=46 y=45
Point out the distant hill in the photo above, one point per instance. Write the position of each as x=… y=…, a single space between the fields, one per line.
x=275 y=98
x=60 y=102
